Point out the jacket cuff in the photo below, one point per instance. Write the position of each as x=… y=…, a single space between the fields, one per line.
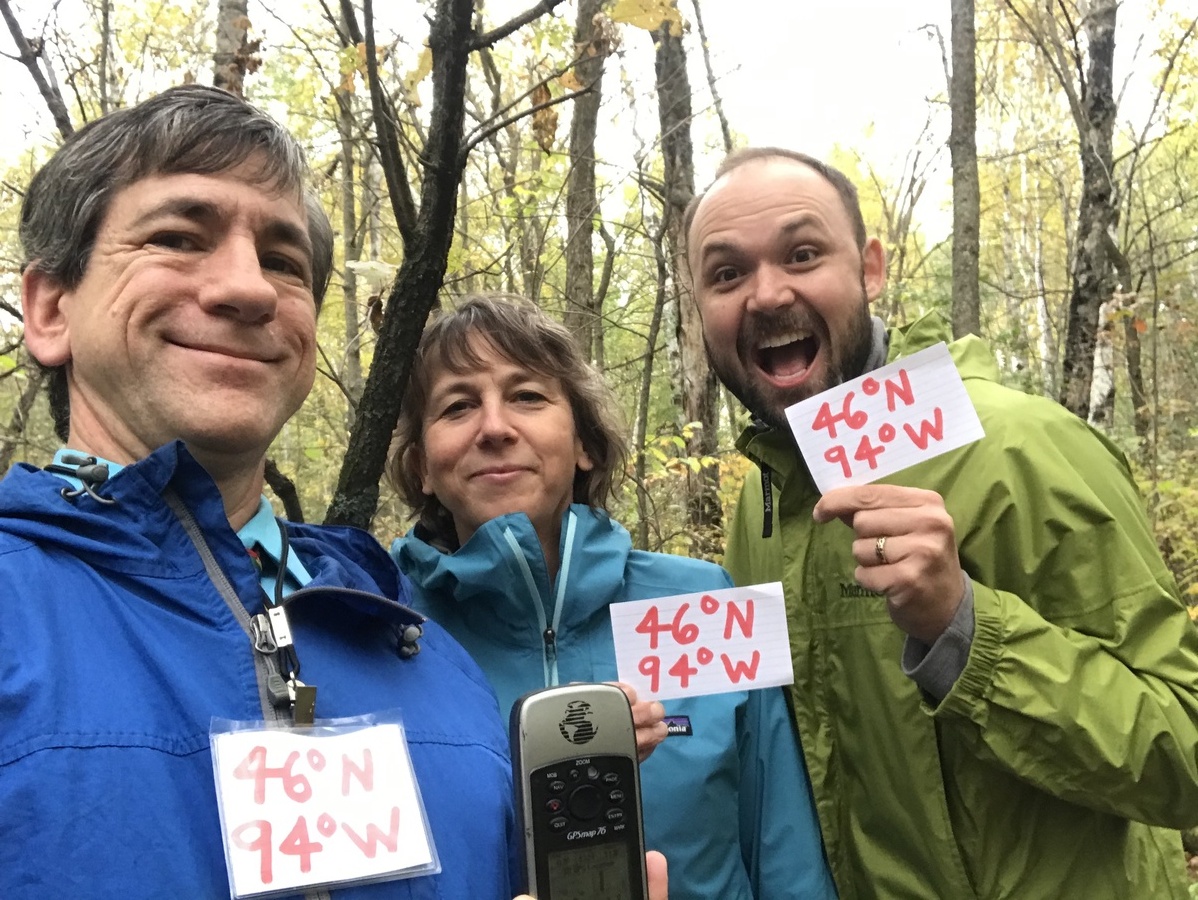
x=936 y=668
x=968 y=695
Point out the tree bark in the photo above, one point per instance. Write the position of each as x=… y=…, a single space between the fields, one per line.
x=229 y=61
x=581 y=316
x=351 y=244
x=962 y=142
x=699 y=387
x=14 y=434
x=1092 y=281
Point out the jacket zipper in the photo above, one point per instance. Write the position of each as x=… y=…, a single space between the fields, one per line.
x=549 y=630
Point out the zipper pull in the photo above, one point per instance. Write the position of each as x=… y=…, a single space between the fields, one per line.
x=550 y=637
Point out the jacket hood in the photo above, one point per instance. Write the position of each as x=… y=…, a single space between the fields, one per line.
x=499 y=574
x=33 y=507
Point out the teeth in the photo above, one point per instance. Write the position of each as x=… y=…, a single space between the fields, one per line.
x=781 y=340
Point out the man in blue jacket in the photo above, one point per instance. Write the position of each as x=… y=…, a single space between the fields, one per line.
x=175 y=263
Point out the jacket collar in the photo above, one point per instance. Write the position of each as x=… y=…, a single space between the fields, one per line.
x=491 y=573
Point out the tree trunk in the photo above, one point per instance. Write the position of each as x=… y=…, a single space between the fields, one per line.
x=962 y=142
x=351 y=243
x=698 y=384
x=414 y=293
x=14 y=434
x=229 y=61
x=427 y=236
x=1097 y=213
x=582 y=317
x=642 y=403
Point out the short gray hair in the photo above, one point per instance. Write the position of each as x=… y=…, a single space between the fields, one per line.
x=192 y=129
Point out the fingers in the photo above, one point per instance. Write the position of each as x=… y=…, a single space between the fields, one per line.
x=846 y=503
x=648 y=718
x=905 y=546
x=655 y=867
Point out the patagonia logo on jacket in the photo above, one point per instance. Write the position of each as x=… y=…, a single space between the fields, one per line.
x=678 y=725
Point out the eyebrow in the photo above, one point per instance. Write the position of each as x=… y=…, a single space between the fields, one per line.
x=461 y=383
x=201 y=211
x=798 y=223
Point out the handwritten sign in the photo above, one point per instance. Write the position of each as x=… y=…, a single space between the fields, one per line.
x=909 y=411
x=301 y=810
x=705 y=643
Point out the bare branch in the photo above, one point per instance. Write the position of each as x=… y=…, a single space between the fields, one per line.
x=29 y=56
x=385 y=120
x=481 y=135
x=497 y=34
x=716 y=100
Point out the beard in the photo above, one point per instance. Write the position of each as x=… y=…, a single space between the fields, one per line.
x=845 y=359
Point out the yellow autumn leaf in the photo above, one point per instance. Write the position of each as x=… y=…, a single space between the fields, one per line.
x=649 y=14
x=412 y=81
x=570 y=82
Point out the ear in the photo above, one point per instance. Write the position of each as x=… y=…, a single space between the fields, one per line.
x=47 y=331
x=414 y=457
x=582 y=459
x=873 y=268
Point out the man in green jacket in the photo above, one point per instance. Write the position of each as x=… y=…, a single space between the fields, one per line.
x=996 y=683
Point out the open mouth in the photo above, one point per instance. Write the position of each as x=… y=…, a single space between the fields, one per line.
x=787 y=356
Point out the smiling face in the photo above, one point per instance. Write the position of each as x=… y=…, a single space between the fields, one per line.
x=194 y=320
x=500 y=439
x=782 y=286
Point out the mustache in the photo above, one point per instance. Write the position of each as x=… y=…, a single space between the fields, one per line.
x=757 y=327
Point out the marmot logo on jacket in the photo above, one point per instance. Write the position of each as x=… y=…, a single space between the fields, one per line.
x=852 y=589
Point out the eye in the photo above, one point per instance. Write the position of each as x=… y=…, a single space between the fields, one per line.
x=174 y=240
x=529 y=395
x=285 y=264
x=724 y=275
x=802 y=254
x=455 y=408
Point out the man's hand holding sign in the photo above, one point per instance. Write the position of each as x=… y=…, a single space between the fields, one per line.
x=871 y=427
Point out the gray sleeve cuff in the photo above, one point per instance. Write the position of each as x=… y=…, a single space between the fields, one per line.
x=935 y=668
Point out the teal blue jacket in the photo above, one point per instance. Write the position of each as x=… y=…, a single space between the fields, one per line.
x=730 y=805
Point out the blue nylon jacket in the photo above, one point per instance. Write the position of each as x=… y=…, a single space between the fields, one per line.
x=730 y=805
x=123 y=632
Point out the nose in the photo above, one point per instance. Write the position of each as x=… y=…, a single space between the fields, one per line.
x=772 y=289
x=494 y=423
x=235 y=284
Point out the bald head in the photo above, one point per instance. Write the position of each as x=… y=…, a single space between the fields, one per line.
x=844 y=188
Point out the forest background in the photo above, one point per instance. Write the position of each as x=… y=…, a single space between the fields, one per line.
x=1032 y=168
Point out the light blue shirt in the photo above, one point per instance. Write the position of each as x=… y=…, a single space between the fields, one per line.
x=262 y=529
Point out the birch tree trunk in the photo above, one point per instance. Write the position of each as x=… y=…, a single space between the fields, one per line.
x=962 y=143
x=1092 y=281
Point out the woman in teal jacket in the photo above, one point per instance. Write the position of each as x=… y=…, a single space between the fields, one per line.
x=508 y=452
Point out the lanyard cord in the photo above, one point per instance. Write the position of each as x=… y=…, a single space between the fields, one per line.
x=272 y=638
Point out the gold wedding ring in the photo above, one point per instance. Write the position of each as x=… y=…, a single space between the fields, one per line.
x=880 y=551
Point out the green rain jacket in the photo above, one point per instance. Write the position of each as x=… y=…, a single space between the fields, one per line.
x=1065 y=757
